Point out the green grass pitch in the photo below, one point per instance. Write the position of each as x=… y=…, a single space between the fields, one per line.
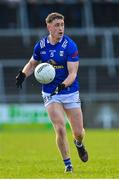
x=32 y=153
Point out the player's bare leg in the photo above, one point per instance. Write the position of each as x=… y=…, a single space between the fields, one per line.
x=76 y=121
x=56 y=113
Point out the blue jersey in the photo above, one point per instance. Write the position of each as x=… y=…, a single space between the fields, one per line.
x=58 y=55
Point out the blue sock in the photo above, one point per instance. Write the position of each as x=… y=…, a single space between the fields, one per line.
x=67 y=162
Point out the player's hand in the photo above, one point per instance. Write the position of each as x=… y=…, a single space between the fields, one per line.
x=58 y=89
x=19 y=79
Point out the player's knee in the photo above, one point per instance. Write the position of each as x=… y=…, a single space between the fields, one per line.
x=61 y=130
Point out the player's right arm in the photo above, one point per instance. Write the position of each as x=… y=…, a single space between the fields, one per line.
x=27 y=71
x=29 y=67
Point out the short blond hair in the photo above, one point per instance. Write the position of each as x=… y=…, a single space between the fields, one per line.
x=53 y=16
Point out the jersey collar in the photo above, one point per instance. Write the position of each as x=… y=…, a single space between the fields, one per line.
x=48 y=42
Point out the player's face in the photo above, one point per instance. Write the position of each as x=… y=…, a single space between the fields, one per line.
x=56 y=28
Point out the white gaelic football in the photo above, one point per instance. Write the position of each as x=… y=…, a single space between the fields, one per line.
x=44 y=73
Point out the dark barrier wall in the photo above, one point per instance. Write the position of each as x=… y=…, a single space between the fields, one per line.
x=104 y=14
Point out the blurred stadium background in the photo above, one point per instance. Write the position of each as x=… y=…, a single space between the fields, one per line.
x=94 y=25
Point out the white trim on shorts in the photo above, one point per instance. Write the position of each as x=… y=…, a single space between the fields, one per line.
x=68 y=101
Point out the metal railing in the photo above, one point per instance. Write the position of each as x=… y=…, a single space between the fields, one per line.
x=23 y=96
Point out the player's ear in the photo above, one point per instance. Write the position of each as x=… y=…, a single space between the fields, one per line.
x=48 y=26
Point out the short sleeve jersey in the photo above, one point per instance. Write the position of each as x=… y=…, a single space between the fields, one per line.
x=58 y=55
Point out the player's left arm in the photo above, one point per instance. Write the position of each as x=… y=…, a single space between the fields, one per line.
x=72 y=66
x=72 y=69
x=72 y=63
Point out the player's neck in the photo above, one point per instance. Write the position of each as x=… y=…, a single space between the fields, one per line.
x=53 y=40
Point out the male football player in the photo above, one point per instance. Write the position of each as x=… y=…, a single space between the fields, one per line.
x=61 y=51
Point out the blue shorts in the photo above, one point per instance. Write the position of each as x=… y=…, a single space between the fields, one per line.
x=68 y=101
